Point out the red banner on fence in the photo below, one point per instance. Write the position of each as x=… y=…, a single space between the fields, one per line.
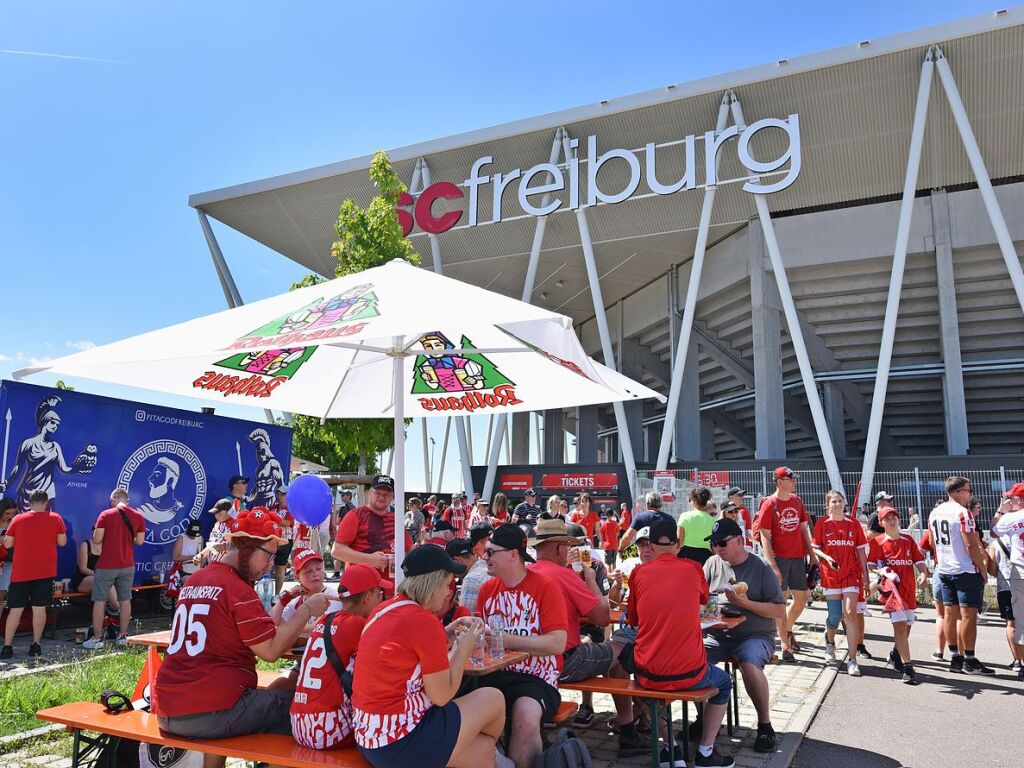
x=580 y=481
x=515 y=482
x=712 y=478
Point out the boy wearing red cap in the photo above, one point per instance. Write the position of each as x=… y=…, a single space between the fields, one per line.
x=311 y=575
x=895 y=557
x=321 y=713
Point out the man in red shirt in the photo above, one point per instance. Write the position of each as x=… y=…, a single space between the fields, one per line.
x=895 y=557
x=38 y=533
x=784 y=530
x=321 y=712
x=588 y=518
x=118 y=529
x=367 y=534
x=625 y=517
x=666 y=596
x=207 y=686
x=610 y=539
x=530 y=611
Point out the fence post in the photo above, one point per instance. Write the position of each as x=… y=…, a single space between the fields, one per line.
x=764 y=480
x=1002 y=479
x=917 y=485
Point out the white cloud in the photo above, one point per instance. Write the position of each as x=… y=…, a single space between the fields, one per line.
x=80 y=346
x=5 y=359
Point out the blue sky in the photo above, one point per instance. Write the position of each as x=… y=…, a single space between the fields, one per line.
x=114 y=112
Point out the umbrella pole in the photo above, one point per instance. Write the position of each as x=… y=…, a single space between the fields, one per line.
x=398 y=456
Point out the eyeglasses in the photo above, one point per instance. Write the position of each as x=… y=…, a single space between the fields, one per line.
x=490 y=552
x=723 y=542
x=267 y=551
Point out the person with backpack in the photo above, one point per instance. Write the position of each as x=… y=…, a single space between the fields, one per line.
x=119 y=529
x=321 y=711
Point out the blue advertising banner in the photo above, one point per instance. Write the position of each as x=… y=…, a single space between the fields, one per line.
x=175 y=464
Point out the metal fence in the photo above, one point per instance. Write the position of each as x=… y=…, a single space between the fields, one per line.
x=914 y=489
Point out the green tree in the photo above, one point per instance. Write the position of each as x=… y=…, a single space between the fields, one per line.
x=61 y=385
x=367 y=238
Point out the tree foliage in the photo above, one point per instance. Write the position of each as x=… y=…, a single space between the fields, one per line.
x=367 y=238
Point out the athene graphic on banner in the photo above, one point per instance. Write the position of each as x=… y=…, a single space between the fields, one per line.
x=269 y=474
x=40 y=457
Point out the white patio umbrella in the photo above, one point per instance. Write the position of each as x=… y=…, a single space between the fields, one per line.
x=369 y=345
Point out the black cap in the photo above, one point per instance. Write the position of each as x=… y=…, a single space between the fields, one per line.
x=237 y=479
x=734 y=490
x=729 y=507
x=479 y=531
x=383 y=481
x=194 y=527
x=511 y=537
x=577 y=530
x=530 y=492
x=443 y=525
x=664 y=532
x=723 y=529
x=459 y=547
x=429 y=558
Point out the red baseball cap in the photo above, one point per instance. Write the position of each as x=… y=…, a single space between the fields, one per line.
x=886 y=510
x=781 y=473
x=1017 y=489
x=361 y=578
x=304 y=556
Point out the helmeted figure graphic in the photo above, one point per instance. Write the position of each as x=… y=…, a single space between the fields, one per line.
x=39 y=457
x=162 y=505
x=269 y=474
x=451 y=373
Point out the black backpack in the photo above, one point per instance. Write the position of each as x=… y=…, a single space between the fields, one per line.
x=566 y=751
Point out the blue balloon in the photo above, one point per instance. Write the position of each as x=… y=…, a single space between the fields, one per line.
x=309 y=499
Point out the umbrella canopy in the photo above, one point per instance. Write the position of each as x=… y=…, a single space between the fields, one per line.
x=329 y=350
x=370 y=345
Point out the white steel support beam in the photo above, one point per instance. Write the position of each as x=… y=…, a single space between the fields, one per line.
x=444 y=454
x=995 y=213
x=766 y=377
x=421 y=177
x=528 y=283
x=793 y=325
x=690 y=306
x=426 y=456
x=899 y=260
x=625 y=442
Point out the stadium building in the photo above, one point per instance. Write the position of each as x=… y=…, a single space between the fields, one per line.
x=816 y=260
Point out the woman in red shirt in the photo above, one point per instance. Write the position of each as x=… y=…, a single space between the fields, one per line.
x=610 y=539
x=404 y=712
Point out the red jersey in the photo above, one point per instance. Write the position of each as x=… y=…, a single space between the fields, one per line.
x=401 y=642
x=748 y=524
x=366 y=531
x=627 y=518
x=589 y=521
x=665 y=597
x=900 y=555
x=579 y=600
x=926 y=542
x=459 y=518
x=118 y=543
x=534 y=606
x=209 y=665
x=783 y=519
x=321 y=712
x=610 y=535
x=841 y=541
x=303 y=538
x=35 y=545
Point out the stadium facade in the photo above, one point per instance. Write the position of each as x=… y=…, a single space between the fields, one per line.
x=815 y=260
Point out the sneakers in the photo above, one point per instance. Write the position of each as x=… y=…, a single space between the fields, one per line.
x=909 y=678
x=937 y=655
x=863 y=651
x=765 y=741
x=93 y=644
x=830 y=653
x=895 y=661
x=788 y=655
x=716 y=758
x=631 y=745
x=675 y=759
x=6 y=652
x=35 y=650
x=956 y=664
x=974 y=667
x=1016 y=667
x=851 y=668
x=584 y=717
x=122 y=641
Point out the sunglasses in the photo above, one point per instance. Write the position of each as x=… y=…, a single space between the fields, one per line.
x=722 y=543
x=490 y=552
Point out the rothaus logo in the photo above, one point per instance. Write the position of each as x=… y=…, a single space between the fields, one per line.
x=552 y=178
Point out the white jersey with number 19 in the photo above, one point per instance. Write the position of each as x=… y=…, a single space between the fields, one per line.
x=948 y=522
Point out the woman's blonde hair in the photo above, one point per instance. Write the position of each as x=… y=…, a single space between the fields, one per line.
x=554 y=504
x=420 y=588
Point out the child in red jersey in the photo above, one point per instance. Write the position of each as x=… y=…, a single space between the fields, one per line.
x=895 y=557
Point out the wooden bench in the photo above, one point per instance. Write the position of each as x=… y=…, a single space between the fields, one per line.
x=626 y=687
x=566 y=711
x=61 y=599
x=142 y=726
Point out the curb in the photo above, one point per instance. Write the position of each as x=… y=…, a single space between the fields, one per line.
x=8 y=743
x=790 y=742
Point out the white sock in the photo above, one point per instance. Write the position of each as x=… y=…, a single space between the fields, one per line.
x=706 y=751
x=500 y=761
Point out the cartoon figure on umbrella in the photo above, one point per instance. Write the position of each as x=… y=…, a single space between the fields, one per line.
x=452 y=373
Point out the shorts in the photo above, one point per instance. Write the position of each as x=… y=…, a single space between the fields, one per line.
x=5 y=575
x=961 y=589
x=794 y=573
x=282 y=555
x=840 y=591
x=429 y=745
x=586 y=660
x=38 y=592
x=699 y=555
x=713 y=677
x=324 y=730
x=1005 y=600
x=1017 y=605
x=611 y=556
x=119 y=578
x=757 y=650
x=518 y=685
x=897 y=616
x=256 y=711
x=936 y=588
